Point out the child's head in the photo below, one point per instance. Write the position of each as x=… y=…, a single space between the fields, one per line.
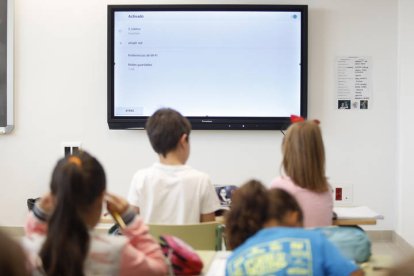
x=78 y=182
x=165 y=128
x=255 y=207
x=78 y=187
x=283 y=210
x=12 y=257
x=304 y=156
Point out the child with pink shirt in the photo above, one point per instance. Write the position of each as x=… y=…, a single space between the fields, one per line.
x=304 y=166
x=60 y=237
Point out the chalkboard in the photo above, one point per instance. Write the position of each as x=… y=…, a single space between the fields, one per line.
x=6 y=66
x=3 y=64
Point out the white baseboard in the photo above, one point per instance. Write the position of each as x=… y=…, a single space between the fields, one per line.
x=403 y=244
x=380 y=236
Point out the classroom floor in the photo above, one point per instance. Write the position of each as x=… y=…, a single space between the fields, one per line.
x=390 y=249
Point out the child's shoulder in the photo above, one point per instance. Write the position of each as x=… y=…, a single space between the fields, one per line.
x=283 y=182
x=182 y=171
x=144 y=171
x=195 y=176
x=196 y=172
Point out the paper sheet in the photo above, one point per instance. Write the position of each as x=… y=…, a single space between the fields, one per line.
x=218 y=265
x=360 y=212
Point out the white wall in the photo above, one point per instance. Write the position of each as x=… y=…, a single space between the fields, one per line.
x=406 y=114
x=60 y=69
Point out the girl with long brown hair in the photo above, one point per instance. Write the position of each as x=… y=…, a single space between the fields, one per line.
x=304 y=172
x=60 y=227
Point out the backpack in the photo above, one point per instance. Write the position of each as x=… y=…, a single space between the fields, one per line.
x=182 y=257
x=352 y=242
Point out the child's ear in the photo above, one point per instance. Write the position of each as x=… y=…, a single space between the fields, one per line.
x=292 y=219
x=184 y=138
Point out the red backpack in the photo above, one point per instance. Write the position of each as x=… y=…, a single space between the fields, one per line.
x=182 y=257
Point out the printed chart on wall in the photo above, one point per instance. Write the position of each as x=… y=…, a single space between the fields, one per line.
x=353 y=81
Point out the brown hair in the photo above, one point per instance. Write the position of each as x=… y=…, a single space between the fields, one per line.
x=165 y=128
x=304 y=156
x=12 y=257
x=253 y=205
x=247 y=214
x=77 y=181
x=281 y=203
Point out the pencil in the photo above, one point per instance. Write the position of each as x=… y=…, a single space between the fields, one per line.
x=118 y=219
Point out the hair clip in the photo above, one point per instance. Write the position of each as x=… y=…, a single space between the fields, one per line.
x=75 y=160
x=295 y=119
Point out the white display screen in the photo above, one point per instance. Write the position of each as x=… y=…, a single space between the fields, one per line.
x=207 y=63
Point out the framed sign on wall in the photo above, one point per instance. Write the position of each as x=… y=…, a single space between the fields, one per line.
x=6 y=66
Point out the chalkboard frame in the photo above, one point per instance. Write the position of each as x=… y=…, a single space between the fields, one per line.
x=7 y=92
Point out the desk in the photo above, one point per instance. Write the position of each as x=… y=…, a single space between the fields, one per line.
x=106 y=219
x=355 y=215
x=105 y=223
x=214 y=262
x=377 y=265
x=355 y=221
x=341 y=222
x=347 y=216
x=207 y=257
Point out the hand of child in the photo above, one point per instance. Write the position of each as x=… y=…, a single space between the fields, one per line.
x=116 y=204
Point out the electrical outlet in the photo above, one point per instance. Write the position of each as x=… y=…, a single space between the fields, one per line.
x=343 y=194
x=338 y=193
x=70 y=147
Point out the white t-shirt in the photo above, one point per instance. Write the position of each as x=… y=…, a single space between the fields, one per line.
x=167 y=194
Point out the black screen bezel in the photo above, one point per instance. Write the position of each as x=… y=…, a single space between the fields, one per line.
x=239 y=123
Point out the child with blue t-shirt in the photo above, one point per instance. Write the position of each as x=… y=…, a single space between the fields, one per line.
x=263 y=229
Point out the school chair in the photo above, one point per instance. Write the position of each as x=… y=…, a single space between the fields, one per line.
x=201 y=236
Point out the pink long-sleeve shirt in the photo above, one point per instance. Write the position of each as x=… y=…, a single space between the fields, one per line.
x=317 y=207
x=134 y=253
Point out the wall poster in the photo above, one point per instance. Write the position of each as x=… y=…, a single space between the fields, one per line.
x=353 y=83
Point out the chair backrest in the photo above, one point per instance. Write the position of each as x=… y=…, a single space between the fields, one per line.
x=202 y=236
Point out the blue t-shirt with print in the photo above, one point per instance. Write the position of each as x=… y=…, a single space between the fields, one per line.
x=288 y=251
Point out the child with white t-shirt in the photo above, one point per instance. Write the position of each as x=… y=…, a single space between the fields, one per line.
x=170 y=192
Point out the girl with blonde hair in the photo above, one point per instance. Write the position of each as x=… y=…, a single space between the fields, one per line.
x=304 y=172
